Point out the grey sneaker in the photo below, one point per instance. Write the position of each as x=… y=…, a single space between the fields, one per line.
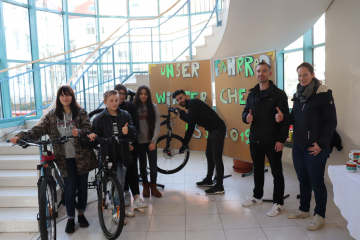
x=139 y=203
x=252 y=201
x=129 y=213
x=298 y=214
x=317 y=223
x=127 y=199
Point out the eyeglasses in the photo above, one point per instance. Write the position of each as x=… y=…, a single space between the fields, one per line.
x=122 y=94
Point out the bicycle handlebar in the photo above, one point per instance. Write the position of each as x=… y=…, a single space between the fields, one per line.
x=25 y=143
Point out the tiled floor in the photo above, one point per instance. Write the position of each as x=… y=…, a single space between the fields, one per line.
x=185 y=212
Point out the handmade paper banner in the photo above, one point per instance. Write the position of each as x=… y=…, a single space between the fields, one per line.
x=194 y=77
x=234 y=77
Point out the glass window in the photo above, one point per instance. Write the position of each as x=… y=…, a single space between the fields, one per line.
x=82 y=32
x=140 y=8
x=21 y=1
x=50 y=34
x=319 y=63
x=299 y=43
x=291 y=62
x=319 y=30
x=16 y=22
x=109 y=25
x=21 y=90
x=81 y=6
x=113 y=7
x=50 y=4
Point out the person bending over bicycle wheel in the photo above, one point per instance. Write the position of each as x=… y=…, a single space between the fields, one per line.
x=201 y=114
x=75 y=159
x=132 y=176
x=114 y=121
x=148 y=133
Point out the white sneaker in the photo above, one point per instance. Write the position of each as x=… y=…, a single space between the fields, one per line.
x=129 y=213
x=116 y=220
x=298 y=214
x=127 y=199
x=139 y=203
x=317 y=223
x=275 y=210
x=252 y=201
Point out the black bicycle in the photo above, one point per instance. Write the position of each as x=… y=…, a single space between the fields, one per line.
x=169 y=160
x=111 y=204
x=47 y=197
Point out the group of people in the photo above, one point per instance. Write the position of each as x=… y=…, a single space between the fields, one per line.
x=313 y=118
x=137 y=122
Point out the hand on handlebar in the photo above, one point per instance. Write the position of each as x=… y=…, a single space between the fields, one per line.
x=14 y=140
x=92 y=136
x=177 y=110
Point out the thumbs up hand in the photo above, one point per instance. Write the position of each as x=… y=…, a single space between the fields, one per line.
x=279 y=116
x=249 y=117
x=75 y=132
x=125 y=129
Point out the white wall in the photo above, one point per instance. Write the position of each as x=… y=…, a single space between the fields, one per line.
x=262 y=25
x=343 y=72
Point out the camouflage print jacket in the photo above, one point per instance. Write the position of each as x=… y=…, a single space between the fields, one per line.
x=85 y=156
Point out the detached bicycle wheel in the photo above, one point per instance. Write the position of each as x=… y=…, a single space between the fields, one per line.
x=111 y=207
x=169 y=160
x=46 y=210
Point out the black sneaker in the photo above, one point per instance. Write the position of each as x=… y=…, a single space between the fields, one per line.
x=205 y=183
x=83 y=222
x=70 y=226
x=215 y=190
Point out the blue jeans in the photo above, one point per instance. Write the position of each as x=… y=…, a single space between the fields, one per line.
x=72 y=182
x=120 y=175
x=310 y=171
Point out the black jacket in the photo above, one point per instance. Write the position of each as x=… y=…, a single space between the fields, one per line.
x=201 y=114
x=314 y=120
x=103 y=127
x=264 y=128
x=335 y=142
x=130 y=108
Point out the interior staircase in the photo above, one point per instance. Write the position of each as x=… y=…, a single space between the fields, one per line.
x=18 y=190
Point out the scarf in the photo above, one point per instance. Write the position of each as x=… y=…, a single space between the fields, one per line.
x=304 y=92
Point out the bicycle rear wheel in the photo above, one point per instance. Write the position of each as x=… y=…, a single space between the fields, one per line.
x=111 y=207
x=47 y=210
x=169 y=160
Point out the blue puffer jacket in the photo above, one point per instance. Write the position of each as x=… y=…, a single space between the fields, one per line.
x=314 y=120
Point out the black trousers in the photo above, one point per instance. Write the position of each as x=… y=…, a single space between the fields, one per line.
x=132 y=176
x=258 y=152
x=214 y=151
x=152 y=155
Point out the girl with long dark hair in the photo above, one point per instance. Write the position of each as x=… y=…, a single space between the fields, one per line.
x=74 y=158
x=314 y=119
x=149 y=129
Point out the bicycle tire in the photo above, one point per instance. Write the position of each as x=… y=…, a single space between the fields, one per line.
x=120 y=209
x=46 y=210
x=96 y=111
x=177 y=167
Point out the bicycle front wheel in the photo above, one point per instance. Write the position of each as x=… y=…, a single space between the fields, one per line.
x=47 y=209
x=111 y=207
x=169 y=160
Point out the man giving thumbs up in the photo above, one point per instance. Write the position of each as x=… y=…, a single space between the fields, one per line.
x=265 y=105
